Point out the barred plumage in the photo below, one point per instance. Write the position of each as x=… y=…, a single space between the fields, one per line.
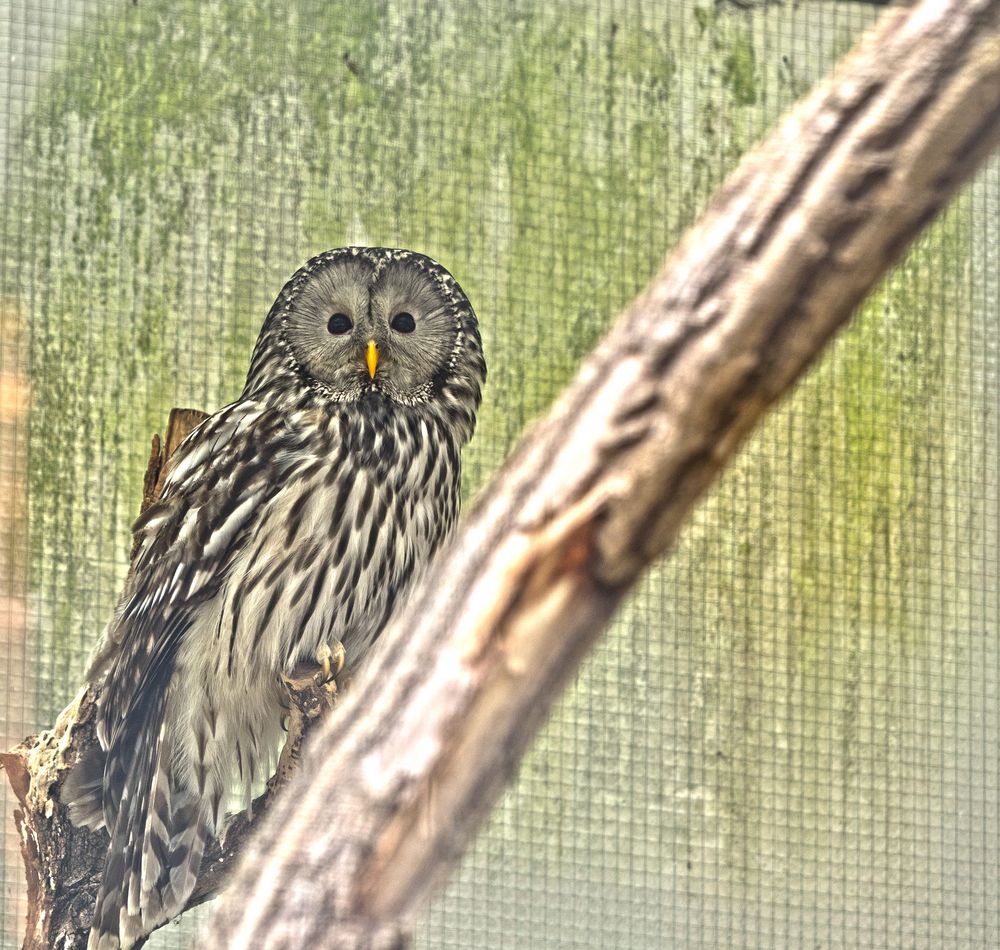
x=294 y=517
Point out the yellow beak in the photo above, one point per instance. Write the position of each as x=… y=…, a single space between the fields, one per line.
x=372 y=358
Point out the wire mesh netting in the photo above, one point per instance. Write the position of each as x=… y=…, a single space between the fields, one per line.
x=790 y=737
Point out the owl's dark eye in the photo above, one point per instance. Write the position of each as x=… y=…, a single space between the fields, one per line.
x=339 y=323
x=403 y=323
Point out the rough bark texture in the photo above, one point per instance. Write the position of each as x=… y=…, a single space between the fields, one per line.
x=397 y=782
x=63 y=863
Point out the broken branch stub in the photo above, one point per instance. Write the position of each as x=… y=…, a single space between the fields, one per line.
x=63 y=863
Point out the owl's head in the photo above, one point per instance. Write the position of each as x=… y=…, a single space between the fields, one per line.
x=372 y=321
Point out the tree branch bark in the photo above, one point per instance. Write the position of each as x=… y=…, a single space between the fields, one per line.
x=395 y=785
x=63 y=863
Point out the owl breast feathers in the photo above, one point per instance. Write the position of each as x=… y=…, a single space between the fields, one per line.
x=293 y=518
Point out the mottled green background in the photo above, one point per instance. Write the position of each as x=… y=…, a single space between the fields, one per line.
x=790 y=737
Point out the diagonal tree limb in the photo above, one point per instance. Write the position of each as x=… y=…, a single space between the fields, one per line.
x=397 y=783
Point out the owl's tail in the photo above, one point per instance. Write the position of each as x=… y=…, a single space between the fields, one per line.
x=159 y=831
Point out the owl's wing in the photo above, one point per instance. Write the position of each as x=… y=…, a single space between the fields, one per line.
x=221 y=476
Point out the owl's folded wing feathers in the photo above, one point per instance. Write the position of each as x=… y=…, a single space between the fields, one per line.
x=222 y=475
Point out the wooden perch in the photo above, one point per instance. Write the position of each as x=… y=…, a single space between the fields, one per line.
x=394 y=786
x=63 y=863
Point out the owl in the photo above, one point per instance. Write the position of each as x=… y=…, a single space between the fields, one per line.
x=291 y=521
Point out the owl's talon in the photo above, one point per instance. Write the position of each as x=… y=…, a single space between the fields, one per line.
x=331 y=659
x=323 y=670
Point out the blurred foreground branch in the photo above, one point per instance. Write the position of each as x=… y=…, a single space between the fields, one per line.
x=394 y=785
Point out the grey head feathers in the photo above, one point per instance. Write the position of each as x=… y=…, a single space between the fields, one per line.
x=436 y=355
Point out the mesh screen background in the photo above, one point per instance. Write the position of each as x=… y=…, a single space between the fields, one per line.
x=790 y=736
